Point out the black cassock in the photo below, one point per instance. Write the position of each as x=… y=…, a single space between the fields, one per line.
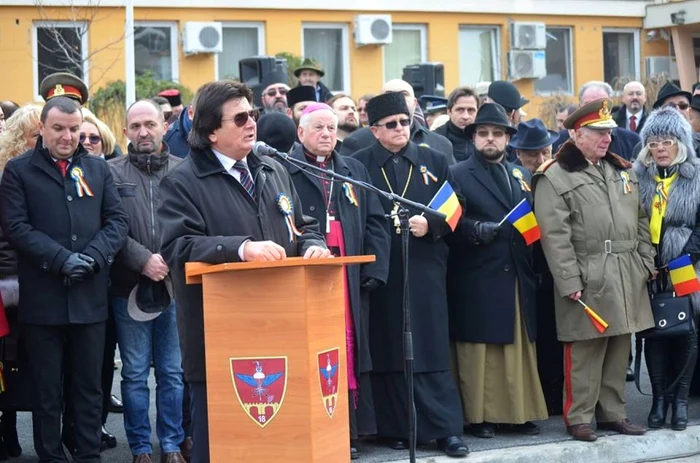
x=436 y=397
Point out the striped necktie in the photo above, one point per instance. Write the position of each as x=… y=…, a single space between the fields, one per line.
x=245 y=178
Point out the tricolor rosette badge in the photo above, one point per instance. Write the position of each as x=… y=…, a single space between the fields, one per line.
x=287 y=209
x=81 y=186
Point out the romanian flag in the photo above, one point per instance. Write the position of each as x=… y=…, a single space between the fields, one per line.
x=523 y=219
x=445 y=201
x=683 y=276
x=600 y=324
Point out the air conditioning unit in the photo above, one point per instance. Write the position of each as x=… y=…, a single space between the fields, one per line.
x=372 y=29
x=202 y=37
x=656 y=65
x=527 y=64
x=528 y=36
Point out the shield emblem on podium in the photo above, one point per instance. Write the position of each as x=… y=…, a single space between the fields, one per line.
x=328 y=361
x=260 y=384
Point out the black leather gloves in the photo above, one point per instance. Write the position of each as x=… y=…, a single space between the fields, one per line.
x=370 y=284
x=77 y=268
x=485 y=232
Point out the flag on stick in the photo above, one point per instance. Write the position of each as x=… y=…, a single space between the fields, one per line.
x=523 y=219
x=683 y=276
x=600 y=324
x=445 y=201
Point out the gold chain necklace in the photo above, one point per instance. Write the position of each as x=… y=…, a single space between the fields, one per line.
x=395 y=210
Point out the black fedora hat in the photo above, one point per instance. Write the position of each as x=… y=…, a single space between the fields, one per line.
x=490 y=114
x=506 y=94
x=667 y=91
x=532 y=135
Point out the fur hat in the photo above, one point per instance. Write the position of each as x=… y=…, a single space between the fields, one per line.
x=386 y=104
x=277 y=130
x=667 y=121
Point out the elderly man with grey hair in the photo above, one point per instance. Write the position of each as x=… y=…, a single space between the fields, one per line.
x=623 y=140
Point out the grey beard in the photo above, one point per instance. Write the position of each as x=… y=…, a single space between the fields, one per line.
x=276 y=109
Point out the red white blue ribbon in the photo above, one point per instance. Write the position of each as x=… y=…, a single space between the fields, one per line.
x=81 y=186
x=287 y=209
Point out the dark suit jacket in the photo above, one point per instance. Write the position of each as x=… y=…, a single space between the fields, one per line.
x=621 y=118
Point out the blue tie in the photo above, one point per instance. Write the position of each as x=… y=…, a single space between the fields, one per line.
x=246 y=179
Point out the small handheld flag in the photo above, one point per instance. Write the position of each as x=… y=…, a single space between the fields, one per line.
x=445 y=201
x=523 y=219
x=600 y=324
x=683 y=276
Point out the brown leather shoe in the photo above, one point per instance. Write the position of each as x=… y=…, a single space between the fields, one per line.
x=582 y=432
x=186 y=449
x=623 y=427
x=172 y=457
x=143 y=458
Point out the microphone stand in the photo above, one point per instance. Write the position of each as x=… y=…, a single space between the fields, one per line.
x=407 y=328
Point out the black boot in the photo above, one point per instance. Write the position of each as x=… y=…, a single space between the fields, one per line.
x=8 y=429
x=654 y=352
x=685 y=348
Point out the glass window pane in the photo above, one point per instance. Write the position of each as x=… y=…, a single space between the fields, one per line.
x=326 y=47
x=59 y=49
x=405 y=49
x=558 y=78
x=238 y=43
x=476 y=55
x=152 y=51
x=618 y=56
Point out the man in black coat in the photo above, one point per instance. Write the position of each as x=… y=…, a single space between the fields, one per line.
x=61 y=211
x=221 y=205
x=462 y=105
x=420 y=135
x=395 y=164
x=354 y=224
x=633 y=113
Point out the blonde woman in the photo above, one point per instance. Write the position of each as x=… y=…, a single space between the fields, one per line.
x=20 y=134
x=96 y=137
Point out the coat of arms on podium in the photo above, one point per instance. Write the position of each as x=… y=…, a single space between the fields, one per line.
x=328 y=378
x=260 y=384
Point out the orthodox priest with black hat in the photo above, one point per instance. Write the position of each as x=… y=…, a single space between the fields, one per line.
x=415 y=172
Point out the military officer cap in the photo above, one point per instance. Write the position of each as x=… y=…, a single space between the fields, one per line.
x=594 y=115
x=64 y=84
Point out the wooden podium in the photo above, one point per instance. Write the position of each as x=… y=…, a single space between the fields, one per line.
x=277 y=386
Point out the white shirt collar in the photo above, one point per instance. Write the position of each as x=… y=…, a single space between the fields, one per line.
x=637 y=115
x=226 y=161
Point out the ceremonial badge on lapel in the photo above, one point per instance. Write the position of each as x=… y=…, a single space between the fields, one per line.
x=81 y=186
x=287 y=210
x=626 y=187
x=427 y=174
x=517 y=173
x=350 y=193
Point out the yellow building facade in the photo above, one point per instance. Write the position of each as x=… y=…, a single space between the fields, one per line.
x=458 y=34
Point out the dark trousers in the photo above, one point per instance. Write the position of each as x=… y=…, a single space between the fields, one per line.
x=49 y=348
x=108 y=365
x=199 y=425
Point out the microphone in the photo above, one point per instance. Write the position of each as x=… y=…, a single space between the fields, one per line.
x=260 y=148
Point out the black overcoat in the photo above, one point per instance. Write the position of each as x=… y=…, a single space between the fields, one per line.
x=427 y=265
x=45 y=220
x=482 y=277
x=364 y=232
x=205 y=215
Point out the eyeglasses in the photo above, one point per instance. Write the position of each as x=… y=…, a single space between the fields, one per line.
x=274 y=91
x=393 y=124
x=483 y=133
x=361 y=110
x=167 y=115
x=93 y=139
x=654 y=145
x=241 y=119
x=681 y=106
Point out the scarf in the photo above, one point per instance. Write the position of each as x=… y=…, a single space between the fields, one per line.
x=658 y=205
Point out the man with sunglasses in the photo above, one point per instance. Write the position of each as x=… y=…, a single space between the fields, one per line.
x=415 y=172
x=222 y=205
x=274 y=94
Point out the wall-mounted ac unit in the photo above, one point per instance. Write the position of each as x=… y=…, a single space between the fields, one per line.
x=656 y=65
x=527 y=64
x=372 y=29
x=201 y=37
x=528 y=36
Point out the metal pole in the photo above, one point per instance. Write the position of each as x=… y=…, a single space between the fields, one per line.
x=129 y=54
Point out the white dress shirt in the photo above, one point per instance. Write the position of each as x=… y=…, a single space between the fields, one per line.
x=637 y=120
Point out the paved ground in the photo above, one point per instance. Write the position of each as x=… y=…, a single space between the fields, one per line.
x=552 y=431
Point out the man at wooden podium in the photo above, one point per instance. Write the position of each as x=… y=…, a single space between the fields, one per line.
x=224 y=204
x=354 y=224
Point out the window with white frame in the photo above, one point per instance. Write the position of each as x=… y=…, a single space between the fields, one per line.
x=59 y=47
x=240 y=40
x=328 y=45
x=408 y=46
x=559 y=63
x=479 y=57
x=620 y=55
x=155 y=50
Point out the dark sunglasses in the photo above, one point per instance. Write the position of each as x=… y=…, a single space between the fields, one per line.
x=393 y=124
x=93 y=139
x=241 y=119
x=167 y=115
x=274 y=91
x=681 y=106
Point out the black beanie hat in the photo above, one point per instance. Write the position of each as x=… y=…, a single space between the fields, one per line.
x=277 y=130
x=386 y=104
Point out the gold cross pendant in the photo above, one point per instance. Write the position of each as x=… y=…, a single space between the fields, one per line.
x=397 y=221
